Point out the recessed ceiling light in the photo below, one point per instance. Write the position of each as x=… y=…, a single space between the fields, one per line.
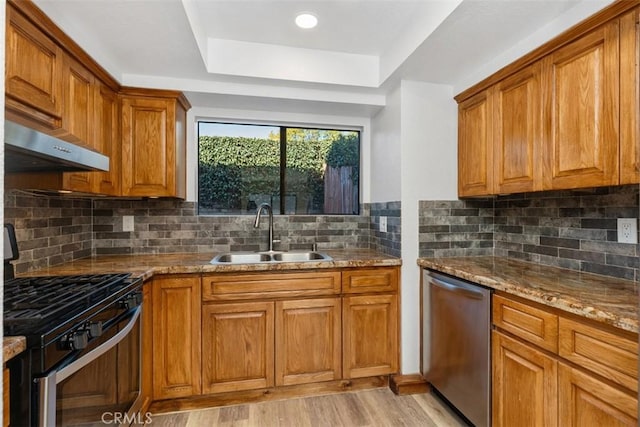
x=306 y=20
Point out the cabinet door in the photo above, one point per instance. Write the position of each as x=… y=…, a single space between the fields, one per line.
x=585 y=401
x=78 y=112
x=237 y=346
x=33 y=74
x=518 y=132
x=176 y=336
x=630 y=98
x=581 y=107
x=475 y=146
x=370 y=335
x=524 y=385
x=308 y=341
x=148 y=147
x=107 y=113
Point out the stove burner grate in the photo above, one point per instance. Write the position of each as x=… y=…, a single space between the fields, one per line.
x=39 y=300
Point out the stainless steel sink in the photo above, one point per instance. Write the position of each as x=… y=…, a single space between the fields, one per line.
x=262 y=257
x=300 y=256
x=241 y=258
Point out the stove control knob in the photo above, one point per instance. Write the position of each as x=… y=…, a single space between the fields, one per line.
x=132 y=301
x=94 y=329
x=77 y=340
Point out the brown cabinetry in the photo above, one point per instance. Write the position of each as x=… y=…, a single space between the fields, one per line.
x=237 y=346
x=308 y=341
x=370 y=335
x=475 y=145
x=552 y=369
x=581 y=111
x=78 y=113
x=33 y=75
x=154 y=143
x=517 y=133
x=564 y=116
x=524 y=384
x=176 y=336
x=370 y=322
x=587 y=401
x=630 y=97
x=236 y=332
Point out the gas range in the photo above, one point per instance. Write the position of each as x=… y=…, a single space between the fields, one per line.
x=83 y=347
x=42 y=308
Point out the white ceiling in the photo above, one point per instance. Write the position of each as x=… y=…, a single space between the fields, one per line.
x=249 y=52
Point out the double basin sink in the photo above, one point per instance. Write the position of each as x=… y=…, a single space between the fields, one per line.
x=269 y=257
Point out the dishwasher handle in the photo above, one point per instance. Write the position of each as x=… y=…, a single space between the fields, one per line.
x=469 y=293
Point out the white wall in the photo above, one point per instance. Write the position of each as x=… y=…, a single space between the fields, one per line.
x=414 y=157
x=428 y=172
x=385 y=151
x=281 y=118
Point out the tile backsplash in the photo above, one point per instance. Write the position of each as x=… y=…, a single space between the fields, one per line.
x=172 y=226
x=389 y=242
x=569 y=229
x=49 y=230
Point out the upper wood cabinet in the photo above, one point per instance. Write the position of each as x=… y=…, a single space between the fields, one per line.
x=630 y=97
x=563 y=116
x=33 y=74
x=581 y=111
x=475 y=146
x=517 y=132
x=154 y=143
x=78 y=113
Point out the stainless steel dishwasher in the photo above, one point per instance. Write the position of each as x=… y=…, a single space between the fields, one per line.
x=456 y=351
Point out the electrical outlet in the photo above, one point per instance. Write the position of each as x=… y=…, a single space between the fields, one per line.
x=628 y=230
x=127 y=223
x=383 y=224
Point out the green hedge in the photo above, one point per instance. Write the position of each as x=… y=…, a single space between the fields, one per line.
x=231 y=168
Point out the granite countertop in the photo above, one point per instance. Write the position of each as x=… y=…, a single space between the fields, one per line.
x=146 y=266
x=606 y=299
x=12 y=346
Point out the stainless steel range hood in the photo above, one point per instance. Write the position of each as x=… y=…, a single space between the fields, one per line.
x=27 y=150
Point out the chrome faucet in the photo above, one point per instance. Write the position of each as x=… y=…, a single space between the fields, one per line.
x=266 y=206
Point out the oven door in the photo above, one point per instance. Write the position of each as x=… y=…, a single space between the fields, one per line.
x=100 y=384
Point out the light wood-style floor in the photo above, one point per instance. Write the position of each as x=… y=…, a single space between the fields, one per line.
x=377 y=407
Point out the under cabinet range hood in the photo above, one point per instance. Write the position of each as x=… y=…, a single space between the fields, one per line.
x=27 y=150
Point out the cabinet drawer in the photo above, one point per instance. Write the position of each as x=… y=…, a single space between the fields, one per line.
x=269 y=285
x=365 y=280
x=529 y=323
x=611 y=355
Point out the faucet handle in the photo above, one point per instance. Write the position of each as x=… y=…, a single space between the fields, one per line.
x=277 y=241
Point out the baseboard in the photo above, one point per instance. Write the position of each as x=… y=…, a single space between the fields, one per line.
x=262 y=395
x=408 y=384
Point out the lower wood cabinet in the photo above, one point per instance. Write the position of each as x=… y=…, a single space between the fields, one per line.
x=176 y=336
x=237 y=346
x=587 y=401
x=308 y=341
x=524 y=384
x=534 y=386
x=228 y=332
x=370 y=335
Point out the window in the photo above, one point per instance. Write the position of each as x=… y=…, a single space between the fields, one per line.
x=295 y=170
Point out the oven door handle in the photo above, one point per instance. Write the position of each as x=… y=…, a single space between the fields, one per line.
x=48 y=384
